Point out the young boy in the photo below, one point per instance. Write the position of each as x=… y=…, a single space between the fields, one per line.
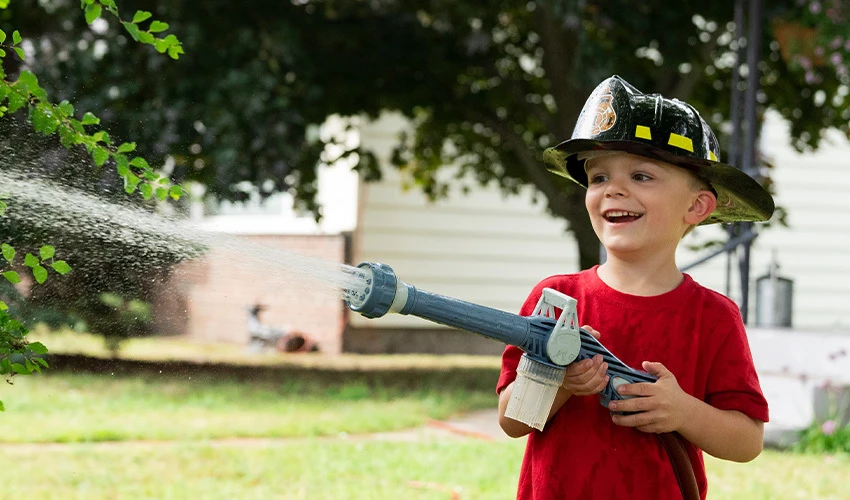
x=650 y=166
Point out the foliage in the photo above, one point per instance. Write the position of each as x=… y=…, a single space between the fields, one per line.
x=824 y=437
x=498 y=80
x=115 y=318
x=829 y=433
x=17 y=355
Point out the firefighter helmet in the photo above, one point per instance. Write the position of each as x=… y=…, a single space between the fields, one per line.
x=619 y=117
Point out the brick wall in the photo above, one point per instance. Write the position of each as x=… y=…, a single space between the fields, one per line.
x=207 y=299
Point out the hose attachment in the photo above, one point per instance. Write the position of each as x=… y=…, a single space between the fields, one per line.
x=534 y=392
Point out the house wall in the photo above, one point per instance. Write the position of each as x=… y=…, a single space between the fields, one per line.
x=479 y=246
x=207 y=299
x=812 y=187
x=486 y=248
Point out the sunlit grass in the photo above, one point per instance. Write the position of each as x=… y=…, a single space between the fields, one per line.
x=780 y=475
x=312 y=469
x=80 y=408
x=353 y=469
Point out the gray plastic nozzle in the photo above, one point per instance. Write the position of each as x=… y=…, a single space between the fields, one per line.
x=380 y=290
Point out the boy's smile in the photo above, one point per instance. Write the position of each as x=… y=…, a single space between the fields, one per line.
x=617 y=216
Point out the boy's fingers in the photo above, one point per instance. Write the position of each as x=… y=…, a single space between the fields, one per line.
x=639 y=389
x=591 y=331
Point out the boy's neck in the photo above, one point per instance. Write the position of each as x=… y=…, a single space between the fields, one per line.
x=644 y=278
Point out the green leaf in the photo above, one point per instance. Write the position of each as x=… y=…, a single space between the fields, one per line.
x=40 y=274
x=37 y=348
x=43 y=120
x=133 y=30
x=66 y=109
x=2 y=408
x=20 y=53
x=93 y=12
x=175 y=192
x=140 y=163
x=90 y=119
x=122 y=166
x=16 y=101
x=174 y=51
x=3 y=207
x=19 y=369
x=2 y=36
x=61 y=267
x=16 y=37
x=3 y=306
x=146 y=190
x=8 y=252
x=127 y=147
x=100 y=155
x=161 y=46
x=161 y=193
x=146 y=37
x=47 y=252
x=130 y=182
x=2 y=53
x=12 y=277
x=141 y=15
x=158 y=26
x=31 y=260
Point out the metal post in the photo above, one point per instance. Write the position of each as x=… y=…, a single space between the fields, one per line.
x=735 y=136
x=751 y=121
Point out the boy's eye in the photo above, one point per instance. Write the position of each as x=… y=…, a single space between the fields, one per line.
x=640 y=176
x=597 y=178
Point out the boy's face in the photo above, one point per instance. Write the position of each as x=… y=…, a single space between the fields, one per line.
x=642 y=206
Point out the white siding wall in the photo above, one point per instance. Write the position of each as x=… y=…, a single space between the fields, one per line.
x=488 y=249
x=481 y=247
x=814 y=252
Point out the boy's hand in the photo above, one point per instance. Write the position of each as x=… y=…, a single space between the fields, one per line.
x=588 y=376
x=662 y=407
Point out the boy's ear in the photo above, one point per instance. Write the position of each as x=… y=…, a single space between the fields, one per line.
x=703 y=204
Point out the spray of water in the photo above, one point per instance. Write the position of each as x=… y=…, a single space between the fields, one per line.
x=58 y=208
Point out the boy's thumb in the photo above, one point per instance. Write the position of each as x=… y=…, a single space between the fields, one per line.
x=656 y=369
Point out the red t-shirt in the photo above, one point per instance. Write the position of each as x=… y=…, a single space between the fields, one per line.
x=693 y=331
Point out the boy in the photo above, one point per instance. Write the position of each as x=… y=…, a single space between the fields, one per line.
x=651 y=171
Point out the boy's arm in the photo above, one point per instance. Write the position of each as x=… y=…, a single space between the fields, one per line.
x=515 y=428
x=665 y=407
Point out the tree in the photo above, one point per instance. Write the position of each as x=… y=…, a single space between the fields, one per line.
x=17 y=354
x=498 y=80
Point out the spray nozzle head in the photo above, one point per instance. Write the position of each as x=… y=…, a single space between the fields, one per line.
x=372 y=290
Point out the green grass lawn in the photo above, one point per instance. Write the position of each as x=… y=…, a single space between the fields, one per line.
x=152 y=435
x=82 y=407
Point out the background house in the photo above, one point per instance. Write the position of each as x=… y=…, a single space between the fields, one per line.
x=489 y=249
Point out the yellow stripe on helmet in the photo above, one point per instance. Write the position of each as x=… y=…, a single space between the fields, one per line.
x=643 y=132
x=680 y=141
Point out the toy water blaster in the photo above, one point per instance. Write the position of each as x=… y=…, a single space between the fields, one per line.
x=549 y=343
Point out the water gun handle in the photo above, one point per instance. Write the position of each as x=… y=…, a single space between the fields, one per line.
x=619 y=373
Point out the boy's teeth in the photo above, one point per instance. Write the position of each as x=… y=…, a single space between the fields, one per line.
x=622 y=214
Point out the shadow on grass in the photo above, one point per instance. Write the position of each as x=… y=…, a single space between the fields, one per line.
x=434 y=378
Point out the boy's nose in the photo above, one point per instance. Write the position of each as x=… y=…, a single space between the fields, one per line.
x=615 y=188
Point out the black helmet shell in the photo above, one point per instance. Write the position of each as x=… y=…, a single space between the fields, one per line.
x=619 y=117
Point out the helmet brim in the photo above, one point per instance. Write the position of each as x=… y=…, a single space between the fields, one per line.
x=739 y=197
